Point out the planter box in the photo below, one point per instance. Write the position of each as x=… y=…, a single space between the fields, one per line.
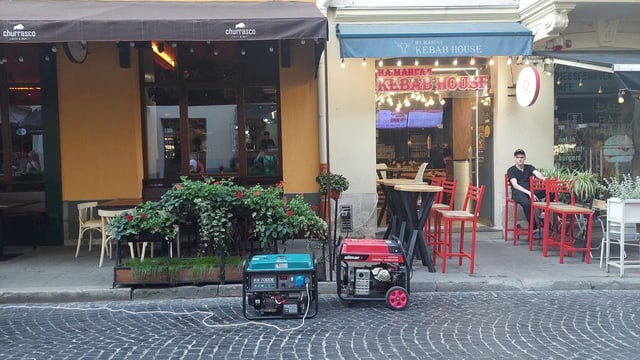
x=623 y=211
x=185 y=276
x=124 y=276
x=233 y=273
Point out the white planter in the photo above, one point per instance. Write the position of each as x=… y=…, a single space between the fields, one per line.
x=623 y=211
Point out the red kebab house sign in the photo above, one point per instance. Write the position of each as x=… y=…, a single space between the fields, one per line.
x=408 y=79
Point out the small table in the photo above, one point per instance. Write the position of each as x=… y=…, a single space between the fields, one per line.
x=416 y=215
x=120 y=204
x=390 y=203
x=4 y=206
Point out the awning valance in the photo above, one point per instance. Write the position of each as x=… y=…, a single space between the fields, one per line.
x=433 y=40
x=55 y=21
x=625 y=65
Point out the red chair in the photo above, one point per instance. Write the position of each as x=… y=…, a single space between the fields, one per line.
x=444 y=244
x=444 y=201
x=537 y=207
x=564 y=216
x=511 y=207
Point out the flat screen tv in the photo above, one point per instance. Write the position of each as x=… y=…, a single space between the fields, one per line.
x=424 y=118
x=388 y=119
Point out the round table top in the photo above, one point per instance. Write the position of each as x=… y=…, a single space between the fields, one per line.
x=392 y=182
x=418 y=187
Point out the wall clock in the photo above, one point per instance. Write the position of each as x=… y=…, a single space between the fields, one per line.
x=76 y=51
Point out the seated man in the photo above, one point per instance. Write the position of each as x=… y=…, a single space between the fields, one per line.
x=519 y=175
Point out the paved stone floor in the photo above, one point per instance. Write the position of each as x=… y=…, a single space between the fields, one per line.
x=470 y=325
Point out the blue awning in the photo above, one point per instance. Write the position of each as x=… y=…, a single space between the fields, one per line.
x=433 y=40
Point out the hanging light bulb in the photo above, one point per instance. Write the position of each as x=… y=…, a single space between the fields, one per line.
x=53 y=49
x=455 y=61
x=342 y=63
x=243 y=52
x=303 y=41
x=380 y=62
x=436 y=63
x=509 y=60
x=526 y=60
x=442 y=102
x=580 y=83
x=472 y=61
x=621 y=96
x=416 y=62
x=558 y=82
x=364 y=62
x=399 y=63
x=491 y=61
x=600 y=90
x=20 y=59
x=271 y=49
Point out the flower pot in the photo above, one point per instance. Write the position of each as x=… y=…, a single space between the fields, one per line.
x=334 y=194
x=623 y=211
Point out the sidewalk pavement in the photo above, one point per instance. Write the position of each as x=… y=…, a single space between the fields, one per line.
x=52 y=274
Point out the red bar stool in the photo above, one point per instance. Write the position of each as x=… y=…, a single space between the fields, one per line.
x=443 y=201
x=564 y=215
x=444 y=244
x=537 y=207
x=511 y=207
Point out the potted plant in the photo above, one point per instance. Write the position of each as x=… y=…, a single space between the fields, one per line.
x=146 y=220
x=332 y=184
x=623 y=204
x=585 y=183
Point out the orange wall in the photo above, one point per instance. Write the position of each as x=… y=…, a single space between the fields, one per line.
x=299 y=102
x=101 y=135
x=100 y=127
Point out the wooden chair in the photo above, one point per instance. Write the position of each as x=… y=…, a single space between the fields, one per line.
x=87 y=222
x=420 y=174
x=444 y=244
x=106 y=216
x=511 y=207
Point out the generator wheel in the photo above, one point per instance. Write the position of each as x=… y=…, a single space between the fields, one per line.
x=397 y=298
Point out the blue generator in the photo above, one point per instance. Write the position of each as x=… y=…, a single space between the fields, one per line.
x=280 y=286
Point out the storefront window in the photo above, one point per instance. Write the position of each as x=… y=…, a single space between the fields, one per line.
x=22 y=135
x=594 y=122
x=209 y=104
x=419 y=105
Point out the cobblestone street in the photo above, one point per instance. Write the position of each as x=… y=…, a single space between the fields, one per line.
x=487 y=325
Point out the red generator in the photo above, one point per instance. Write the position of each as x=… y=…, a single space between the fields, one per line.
x=373 y=269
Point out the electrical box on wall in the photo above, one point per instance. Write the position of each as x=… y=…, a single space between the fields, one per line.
x=346 y=218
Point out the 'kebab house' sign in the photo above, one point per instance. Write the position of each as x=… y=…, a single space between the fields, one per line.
x=422 y=79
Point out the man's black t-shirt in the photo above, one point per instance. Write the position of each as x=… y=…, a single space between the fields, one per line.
x=522 y=177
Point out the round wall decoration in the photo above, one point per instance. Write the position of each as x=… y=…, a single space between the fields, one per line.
x=528 y=86
x=76 y=51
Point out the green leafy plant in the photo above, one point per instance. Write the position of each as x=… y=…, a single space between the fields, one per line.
x=624 y=187
x=149 y=217
x=330 y=181
x=585 y=183
x=147 y=269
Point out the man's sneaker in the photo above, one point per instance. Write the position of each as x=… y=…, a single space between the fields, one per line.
x=537 y=235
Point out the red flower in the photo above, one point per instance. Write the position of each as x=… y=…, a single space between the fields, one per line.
x=129 y=217
x=217 y=182
x=280 y=184
x=179 y=187
x=143 y=215
x=256 y=193
x=239 y=195
x=289 y=213
x=314 y=208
